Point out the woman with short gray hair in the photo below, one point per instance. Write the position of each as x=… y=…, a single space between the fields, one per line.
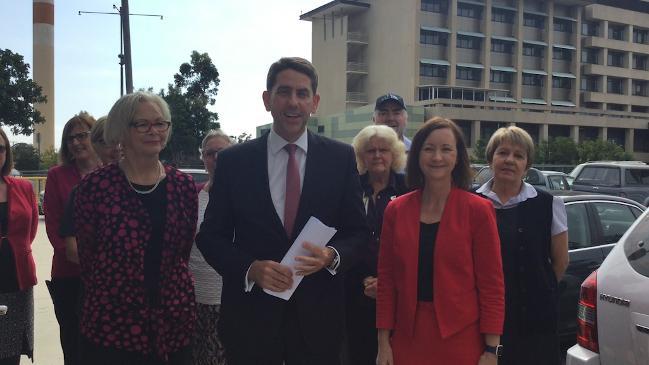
x=135 y=223
x=207 y=348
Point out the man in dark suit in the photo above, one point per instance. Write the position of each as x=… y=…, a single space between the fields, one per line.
x=264 y=192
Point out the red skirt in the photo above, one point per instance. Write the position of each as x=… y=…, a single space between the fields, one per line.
x=426 y=346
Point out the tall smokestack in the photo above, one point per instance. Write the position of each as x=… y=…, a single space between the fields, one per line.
x=43 y=66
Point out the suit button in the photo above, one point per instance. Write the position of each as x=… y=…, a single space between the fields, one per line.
x=520 y=230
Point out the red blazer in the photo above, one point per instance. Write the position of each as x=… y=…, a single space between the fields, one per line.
x=60 y=181
x=468 y=277
x=21 y=230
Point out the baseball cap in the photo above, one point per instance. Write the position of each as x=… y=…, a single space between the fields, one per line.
x=389 y=97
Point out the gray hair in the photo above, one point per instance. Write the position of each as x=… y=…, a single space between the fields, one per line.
x=121 y=115
x=213 y=133
x=397 y=148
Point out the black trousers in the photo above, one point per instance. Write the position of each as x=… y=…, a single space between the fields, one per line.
x=15 y=360
x=65 y=293
x=530 y=349
x=289 y=348
x=98 y=355
x=362 y=346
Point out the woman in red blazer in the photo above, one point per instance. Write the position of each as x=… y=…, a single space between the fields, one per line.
x=440 y=283
x=18 y=223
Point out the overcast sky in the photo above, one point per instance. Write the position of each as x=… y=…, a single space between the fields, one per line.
x=242 y=37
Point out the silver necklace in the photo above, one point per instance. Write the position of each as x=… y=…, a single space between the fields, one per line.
x=150 y=190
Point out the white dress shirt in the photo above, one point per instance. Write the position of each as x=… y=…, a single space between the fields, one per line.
x=559 y=216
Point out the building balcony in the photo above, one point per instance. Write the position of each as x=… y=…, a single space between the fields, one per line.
x=615 y=44
x=592 y=69
x=357 y=67
x=357 y=37
x=356 y=97
x=597 y=97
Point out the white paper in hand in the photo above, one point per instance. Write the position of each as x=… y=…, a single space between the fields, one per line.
x=315 y=232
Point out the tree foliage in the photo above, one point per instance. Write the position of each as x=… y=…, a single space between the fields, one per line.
x=599 y=150
x=559 y=150
x=243 y=137
x=49 y=158
x=194 y=89
x=25 y=157
x=479 y=151
x=18 y=93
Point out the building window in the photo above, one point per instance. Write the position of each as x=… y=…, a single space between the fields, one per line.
x=434 y=6
x=640 y=36
x=532 y=50
x=589 y=29
x=468 y=42
x=501 y=77
x=321 y=129
x=639 y=88
x=641 y=140
x=469 y=11
x=432 y=38
x=589 y=83
x=614 y=85
x=533 y=80
x=616 y=107
x=561 y=25
x=562 y=54
x=615 y=59
x=640 y=62
x=534 y=21
x=616 y=32
x=590 y=55
x=429 y=70
x=561 y=83
x=464 y=73
x=501 y=46
x=502 y=16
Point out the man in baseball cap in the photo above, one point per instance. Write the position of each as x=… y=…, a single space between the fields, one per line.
x=390 y=110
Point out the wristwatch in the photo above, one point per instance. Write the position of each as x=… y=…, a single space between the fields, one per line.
x=496 y=350
x=336 y=261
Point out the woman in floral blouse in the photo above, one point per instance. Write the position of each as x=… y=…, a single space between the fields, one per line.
x=136 y=222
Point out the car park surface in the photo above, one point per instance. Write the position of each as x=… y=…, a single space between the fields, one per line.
x=614 y=305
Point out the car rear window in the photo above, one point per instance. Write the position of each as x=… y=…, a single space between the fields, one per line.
x=599 y=175
x=615 y=218
x=578 y=226
x=636 y=247
x=637 y=176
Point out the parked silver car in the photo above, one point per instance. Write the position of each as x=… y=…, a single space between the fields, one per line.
x=628 y=179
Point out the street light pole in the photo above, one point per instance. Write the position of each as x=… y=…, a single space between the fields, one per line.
x=126 y=36
x=125 y=59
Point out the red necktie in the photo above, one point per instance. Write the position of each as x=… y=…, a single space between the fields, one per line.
x=292 y=198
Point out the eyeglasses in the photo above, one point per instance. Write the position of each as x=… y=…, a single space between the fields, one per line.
x=79 y=137
x=143 y=126
x=211 y=153
x=3 y=148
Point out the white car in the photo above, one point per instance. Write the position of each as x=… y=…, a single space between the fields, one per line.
x=613 y=314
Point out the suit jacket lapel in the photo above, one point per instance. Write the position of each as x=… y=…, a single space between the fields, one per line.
x=260 y=171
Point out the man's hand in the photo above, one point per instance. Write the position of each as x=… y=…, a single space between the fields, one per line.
x=320 y=257
x=271 y=275
x=369 y=283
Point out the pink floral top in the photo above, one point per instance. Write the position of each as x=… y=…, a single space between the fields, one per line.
x=113 y=231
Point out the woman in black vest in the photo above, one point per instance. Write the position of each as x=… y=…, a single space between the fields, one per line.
x=534 y=245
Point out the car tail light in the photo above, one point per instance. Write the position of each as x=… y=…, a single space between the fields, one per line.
x=587 y=314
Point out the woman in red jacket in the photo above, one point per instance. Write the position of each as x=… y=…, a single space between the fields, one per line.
x=77 y=159
x=18 y=223
x=440 y=283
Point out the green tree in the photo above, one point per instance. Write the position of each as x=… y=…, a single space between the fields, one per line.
x=49 y=158
x=563 y=150
x=243 y=137
x=542 y=153
x=193 y=91
x=18 y=93
x=599 y=150
x=479 y=151
x=25 y=157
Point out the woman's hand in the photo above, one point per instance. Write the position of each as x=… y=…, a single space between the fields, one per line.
x=487 y=358
x=71 y=251
x=384 y=357
x=370 y=285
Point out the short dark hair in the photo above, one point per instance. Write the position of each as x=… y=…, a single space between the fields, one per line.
x=83 y=118
x=461 y=174
x=9 y=157
x=292 y=63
